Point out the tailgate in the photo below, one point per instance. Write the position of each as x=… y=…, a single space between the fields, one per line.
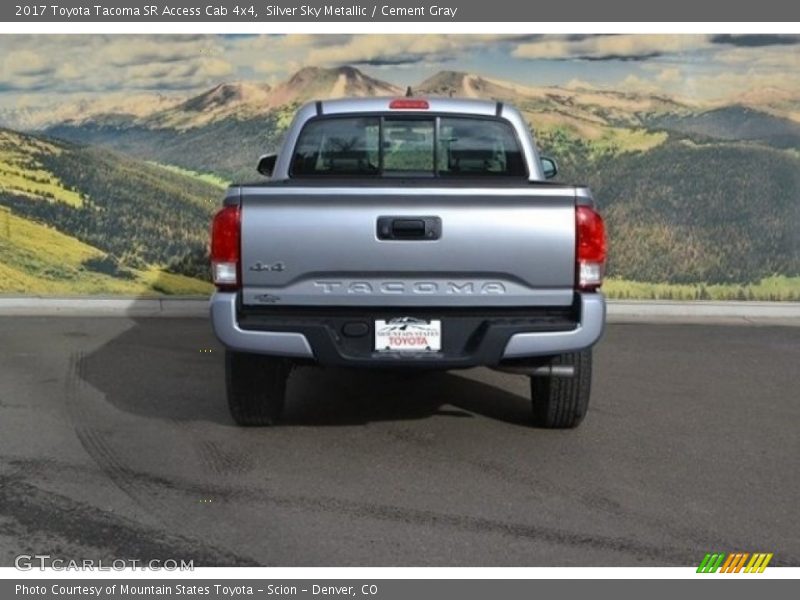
x=323 y=246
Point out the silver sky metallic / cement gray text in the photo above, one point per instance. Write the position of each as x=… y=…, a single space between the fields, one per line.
x=360 y=10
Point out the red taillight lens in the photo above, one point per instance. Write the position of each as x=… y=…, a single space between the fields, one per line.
x=409 y=104
x=225 y=248
x=590 y=253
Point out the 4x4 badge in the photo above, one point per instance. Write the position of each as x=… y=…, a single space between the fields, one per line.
x=259 y=266
x=267 y=298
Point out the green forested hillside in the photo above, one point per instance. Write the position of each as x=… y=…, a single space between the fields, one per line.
x=717 y=213
x=129 y=222
x=37 y=259
x=228 y=148
x=733 y=123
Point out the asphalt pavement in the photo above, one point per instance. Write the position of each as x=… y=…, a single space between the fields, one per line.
x=115 y=442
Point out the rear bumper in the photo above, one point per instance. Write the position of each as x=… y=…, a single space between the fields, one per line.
x=226 y=327
x=470 y=339
x=589 y=329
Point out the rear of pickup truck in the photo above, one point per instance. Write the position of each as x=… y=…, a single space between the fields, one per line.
x=344 y=262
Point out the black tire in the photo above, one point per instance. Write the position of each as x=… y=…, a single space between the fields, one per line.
x=562 y=402
x=256 y=387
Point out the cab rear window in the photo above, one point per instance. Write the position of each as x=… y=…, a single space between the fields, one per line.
x=407 y=146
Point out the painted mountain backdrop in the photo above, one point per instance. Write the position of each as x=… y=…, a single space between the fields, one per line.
x=702 y=198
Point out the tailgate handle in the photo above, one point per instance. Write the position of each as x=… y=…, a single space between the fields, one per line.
x=409 y=228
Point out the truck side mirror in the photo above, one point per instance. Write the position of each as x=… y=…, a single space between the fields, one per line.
x=266 y=164
x=549 y=167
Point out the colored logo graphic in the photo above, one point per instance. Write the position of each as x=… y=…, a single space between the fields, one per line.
x=734 y=562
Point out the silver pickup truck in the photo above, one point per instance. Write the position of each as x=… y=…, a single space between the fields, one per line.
x=408 y=233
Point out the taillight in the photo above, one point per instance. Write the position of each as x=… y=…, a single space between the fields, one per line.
x=409 y=104
x=590 y=255
x=225 y=248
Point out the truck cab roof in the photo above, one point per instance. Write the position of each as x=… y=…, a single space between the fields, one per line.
x=463 y=106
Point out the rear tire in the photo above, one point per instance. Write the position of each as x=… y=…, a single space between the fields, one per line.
x=562 y=402
x=256 y=387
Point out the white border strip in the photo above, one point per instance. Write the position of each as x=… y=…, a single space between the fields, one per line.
x=332 y=27
x=377 y=573
x=619 y=311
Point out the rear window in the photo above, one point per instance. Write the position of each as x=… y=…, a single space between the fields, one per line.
x=407 y=147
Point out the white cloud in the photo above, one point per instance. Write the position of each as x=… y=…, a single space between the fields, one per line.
x=212 y=67
x=68 y=72
x=578 y=84
x=773 y=57
x=123 y=51
x=272 y=55
x=95 y=63
x=25 y=63
x=633 y=46
x=401 y=49
x=757 y=86
x=732 y=85
x=634 y=83
x=670 y=75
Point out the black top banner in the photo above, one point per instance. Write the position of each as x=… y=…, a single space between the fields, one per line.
x=401 y=11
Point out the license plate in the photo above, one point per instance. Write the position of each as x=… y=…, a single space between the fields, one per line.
x=406 y=334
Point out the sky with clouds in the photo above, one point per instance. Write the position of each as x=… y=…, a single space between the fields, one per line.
x=37 y=69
